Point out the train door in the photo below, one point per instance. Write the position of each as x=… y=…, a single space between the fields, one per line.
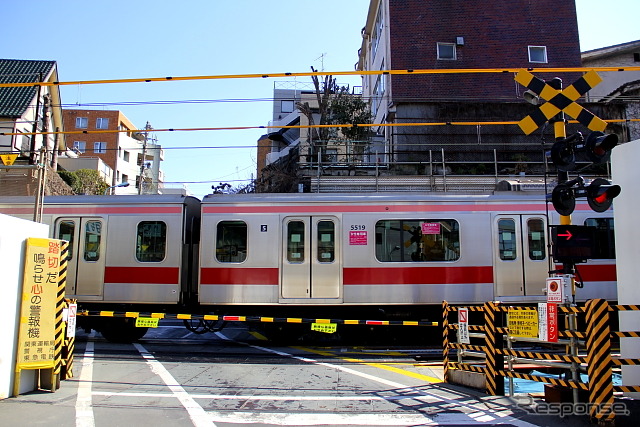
x=85 y=265
x=520 y=254
x=310 y=266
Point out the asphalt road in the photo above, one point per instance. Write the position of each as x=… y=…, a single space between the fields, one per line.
x=175 y=378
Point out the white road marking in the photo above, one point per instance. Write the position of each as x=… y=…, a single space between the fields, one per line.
x=197 y=414
x=444 y=418
x=84 y=410
x=264 y=397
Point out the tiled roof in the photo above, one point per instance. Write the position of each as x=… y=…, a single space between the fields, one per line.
x=15 y=100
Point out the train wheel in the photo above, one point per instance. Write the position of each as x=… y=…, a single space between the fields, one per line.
x=120 y=330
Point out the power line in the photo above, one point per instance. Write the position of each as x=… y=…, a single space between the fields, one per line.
x=317 y=73
x=343 y=125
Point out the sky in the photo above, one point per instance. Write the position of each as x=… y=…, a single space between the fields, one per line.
x=141 y=38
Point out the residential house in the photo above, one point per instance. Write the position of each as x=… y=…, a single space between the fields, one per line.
x=617 y=87
x=30 y=124
x=415 y=35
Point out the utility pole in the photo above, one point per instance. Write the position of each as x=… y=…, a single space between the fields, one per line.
x=147 y=127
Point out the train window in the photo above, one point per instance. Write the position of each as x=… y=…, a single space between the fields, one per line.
x=66 y=231
x=92 y=239
x=535 y=231
x=231 y=242
x=507 y=239
x=151 y=241
x=295 y=241
x=326 y=241
x=427 y=240
x=605 y=247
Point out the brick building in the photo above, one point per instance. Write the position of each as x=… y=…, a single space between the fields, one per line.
x=120 y=146
x=458 y=34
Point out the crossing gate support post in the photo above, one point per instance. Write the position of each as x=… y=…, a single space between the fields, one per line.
x=61 y=304
x=599 y=363
x=68 y=348
x=445 y=340
x=494 y=358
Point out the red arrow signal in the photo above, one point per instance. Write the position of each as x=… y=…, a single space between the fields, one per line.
x=568 y=235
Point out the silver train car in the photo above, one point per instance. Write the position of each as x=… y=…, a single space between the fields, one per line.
x=313 y=255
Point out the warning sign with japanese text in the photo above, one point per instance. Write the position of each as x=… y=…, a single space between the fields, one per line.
x=522 y=323
x=36 y=339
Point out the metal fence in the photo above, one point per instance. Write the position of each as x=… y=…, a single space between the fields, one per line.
x=492 y=352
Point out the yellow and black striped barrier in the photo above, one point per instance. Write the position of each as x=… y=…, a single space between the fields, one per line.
x=226 y=318
x=549 y=380
x=598 y=359
x=60 y=306
x=494 y=360
x=445 y=340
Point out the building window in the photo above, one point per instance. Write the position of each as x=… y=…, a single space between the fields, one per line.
x=80 y=146
x=286 y=106
x=447 y=51
x=102 y=123
x=636 y=57
x=125 y=155
x=538 y=54
x=377 y=32
x=100 y=147
x=81 y=122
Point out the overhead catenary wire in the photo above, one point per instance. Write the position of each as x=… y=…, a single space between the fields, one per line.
x=323 y=73
x=340 y=125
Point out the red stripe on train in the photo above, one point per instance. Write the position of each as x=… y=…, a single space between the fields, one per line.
x=96 y=210
x=417 y=275
x=471 y=207
x=239 y=276
x=388 y=275
x=161 y=275
x=597 y=273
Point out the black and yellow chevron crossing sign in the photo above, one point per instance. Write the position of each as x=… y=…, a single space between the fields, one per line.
x=559 y=100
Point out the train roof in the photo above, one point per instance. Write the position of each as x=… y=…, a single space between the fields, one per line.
x=106 y=200
x=358 y=198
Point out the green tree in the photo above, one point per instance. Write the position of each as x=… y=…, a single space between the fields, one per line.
x=336 y=106
x=85 y=181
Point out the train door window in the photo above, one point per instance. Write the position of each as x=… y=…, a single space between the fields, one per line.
x=92 y=239
x=295 y=241
x=231 y=241
x=429 y=240
x=151 y=241
x=535 y=232
x=507 y=239
x=326 y=241
x=605 y=242
x=66 y=231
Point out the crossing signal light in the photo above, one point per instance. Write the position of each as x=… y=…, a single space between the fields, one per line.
x=563 y=199
x=599 y=146
x=563 y=155
x=600 y=194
